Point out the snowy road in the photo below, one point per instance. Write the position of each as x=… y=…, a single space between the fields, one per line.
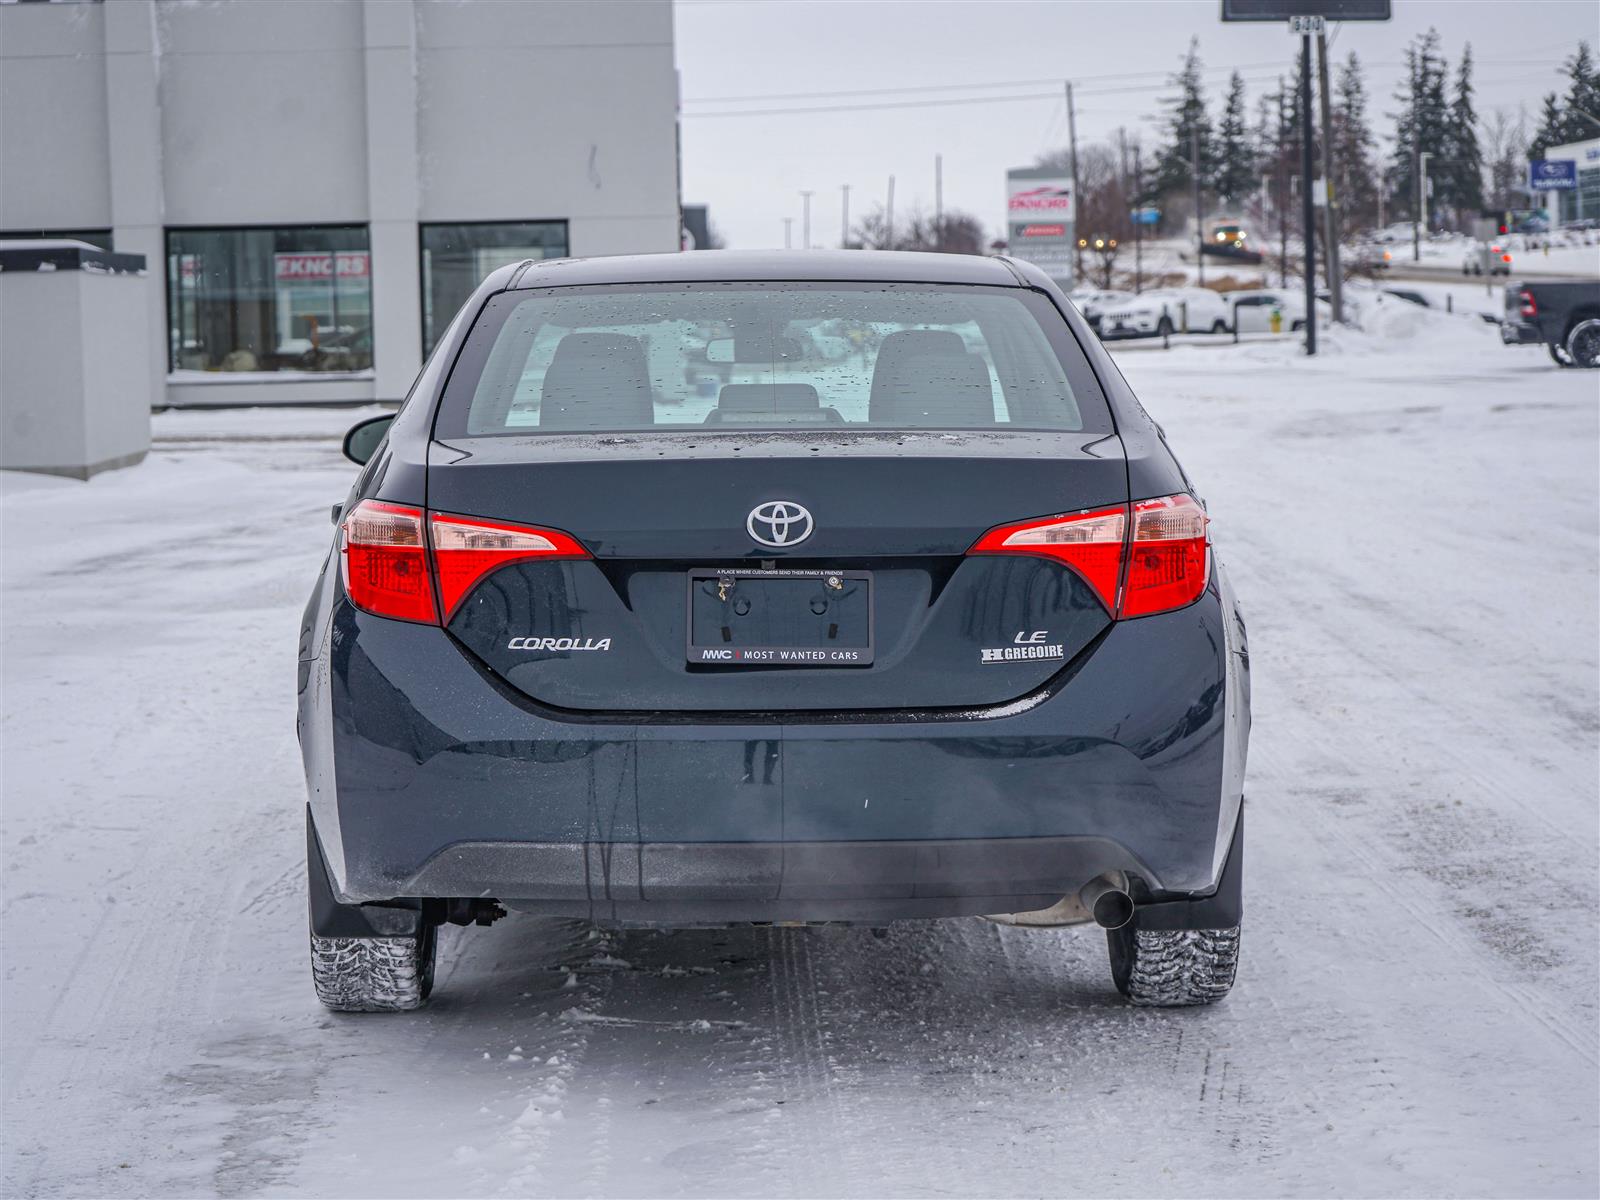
x=1412 y=526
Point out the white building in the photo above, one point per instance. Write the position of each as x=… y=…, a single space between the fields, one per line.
x=316 y=186
x=1571 y=204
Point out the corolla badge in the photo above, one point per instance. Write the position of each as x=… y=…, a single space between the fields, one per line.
x=779 y=523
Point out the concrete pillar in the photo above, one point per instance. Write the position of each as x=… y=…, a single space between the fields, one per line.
x=389 y=53
x=133 y=117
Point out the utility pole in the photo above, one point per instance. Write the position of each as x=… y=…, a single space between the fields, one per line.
x=1307 y=215
x=844 y=220
x=1194 y=176
x=938 y=202
x=1330 y=200
x=1282 y=207
x=805 y=220
x=788 y=233
x=1138 y=224
x=889 y=218
x=1077 y=206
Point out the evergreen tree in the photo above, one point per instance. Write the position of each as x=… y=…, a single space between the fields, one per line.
x=1353 y=146
x=1463 y=176
x=1189 y=128
x=1551 y=125
x=1580 y=110
x=1235 y=171
x=1422 y=124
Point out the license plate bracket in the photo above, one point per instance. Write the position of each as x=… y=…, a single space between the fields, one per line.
x=780 y=617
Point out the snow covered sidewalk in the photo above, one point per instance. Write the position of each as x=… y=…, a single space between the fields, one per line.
x=1411 y=522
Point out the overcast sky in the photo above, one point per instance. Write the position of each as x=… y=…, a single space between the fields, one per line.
x=742 y=56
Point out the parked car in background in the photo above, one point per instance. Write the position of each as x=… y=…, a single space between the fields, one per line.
x=1486 y=258
x=1197 y=309
x=1564 y=316
x=1253 y=309
x=1092 y=303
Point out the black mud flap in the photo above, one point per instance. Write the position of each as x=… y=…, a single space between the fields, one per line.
x=1223 y=909
x=330 y=918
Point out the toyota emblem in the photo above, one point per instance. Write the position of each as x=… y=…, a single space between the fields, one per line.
x=779 y=523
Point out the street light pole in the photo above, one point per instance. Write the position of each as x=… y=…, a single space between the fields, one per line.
x=1307 y=214
x=788 y=233
x=844 y=220
x=1422 y=205
x=1194 y=175
x=805 y=220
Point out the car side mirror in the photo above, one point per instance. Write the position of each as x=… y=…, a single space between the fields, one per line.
x=364 y=438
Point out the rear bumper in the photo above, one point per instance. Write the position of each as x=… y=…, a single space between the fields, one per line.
x=1519 y=333
x=427 y=779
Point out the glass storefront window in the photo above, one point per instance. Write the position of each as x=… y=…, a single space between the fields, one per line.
x=292 y=299
x=456 y=257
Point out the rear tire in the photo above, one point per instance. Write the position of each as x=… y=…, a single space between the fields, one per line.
x=1583 y=343
x=378 y=974
x=1173 y=968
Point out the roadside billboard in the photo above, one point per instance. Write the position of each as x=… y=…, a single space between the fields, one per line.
x=1041 y=219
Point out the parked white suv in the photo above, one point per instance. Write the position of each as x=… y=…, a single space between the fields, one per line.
x=1163 y=311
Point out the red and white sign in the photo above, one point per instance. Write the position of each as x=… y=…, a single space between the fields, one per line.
x=1049 y=231
x=319 y=265
x=1052 y=198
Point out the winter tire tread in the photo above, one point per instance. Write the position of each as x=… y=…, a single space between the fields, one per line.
x=382 y=974
x=1174 y=968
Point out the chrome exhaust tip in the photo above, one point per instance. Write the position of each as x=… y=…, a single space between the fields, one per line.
x=1107 y=903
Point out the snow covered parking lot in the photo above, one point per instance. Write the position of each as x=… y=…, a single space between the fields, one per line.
x=1411 y=522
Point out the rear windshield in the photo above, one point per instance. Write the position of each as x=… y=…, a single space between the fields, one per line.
x=765 y=356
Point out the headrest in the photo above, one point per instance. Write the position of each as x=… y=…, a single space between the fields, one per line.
x=597 y=381
x=935 y=391
x=902 y=347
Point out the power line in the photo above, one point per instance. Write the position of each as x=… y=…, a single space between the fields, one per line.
x=1140 y=89
x=954 y=87
x=1164 y=75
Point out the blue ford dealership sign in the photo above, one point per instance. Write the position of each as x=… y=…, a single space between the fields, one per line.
x=1552 y=173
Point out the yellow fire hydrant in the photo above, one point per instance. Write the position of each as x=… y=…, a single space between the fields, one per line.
x=1276 y=320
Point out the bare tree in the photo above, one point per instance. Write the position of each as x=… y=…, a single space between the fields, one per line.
x=1505 y=150
x=958 y=233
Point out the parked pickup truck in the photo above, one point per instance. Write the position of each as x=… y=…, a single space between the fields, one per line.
x=1564 y=316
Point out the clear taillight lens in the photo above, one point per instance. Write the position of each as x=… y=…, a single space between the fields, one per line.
x=1089 y=542
x=1167 y=559
x=465 y=549
x=1161 y=542
x=385 y=562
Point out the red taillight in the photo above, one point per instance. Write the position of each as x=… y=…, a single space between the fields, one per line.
x=1530 y=307
x=1167 y=558
x=1165 y=551
x=386 y=563
x=1089 y=542
x=385 y=559
x=465 y=549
